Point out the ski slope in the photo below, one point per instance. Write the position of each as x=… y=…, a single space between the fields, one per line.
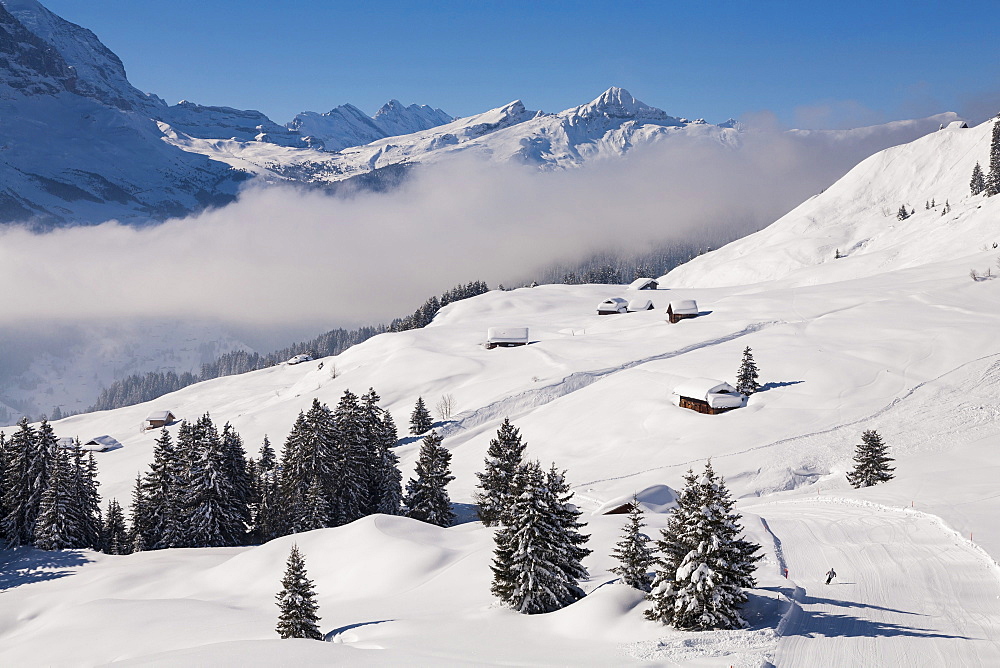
x=908 y=592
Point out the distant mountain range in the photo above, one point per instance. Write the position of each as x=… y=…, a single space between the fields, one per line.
x=80 y=145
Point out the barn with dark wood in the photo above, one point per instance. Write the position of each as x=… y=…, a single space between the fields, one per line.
x=679 y=309
x=158 y=419
x=643 y=284
x=708 y=396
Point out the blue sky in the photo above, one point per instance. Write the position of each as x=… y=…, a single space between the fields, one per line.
x=810 y=64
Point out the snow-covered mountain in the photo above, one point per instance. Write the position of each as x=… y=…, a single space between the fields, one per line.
x=80 y=144
x=347 y=125
x=894 y=336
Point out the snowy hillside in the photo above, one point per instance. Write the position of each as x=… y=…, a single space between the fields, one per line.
x=857 y=216
x=898 y=339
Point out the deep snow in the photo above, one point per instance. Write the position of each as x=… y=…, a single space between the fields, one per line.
x=894 y=337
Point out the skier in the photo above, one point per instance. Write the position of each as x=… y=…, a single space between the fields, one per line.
x=830 y=575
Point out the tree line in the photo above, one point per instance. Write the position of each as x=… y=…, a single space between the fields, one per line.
x=139 y=388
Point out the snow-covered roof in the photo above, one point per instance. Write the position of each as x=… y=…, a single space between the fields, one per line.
x=503 y=334
x=160 y=416
x=653 y=499
x=640 y=304
x=641 y=283
x=700 y=388
x=957 y=125
x=104 y=442
x=614 y=301
x=684 y=306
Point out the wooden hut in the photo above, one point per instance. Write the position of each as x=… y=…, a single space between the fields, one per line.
x=101 y=444
x=679 y=309
x=158 y=419
x=705 y=395
x=612 y=305
x=643 y=284
x=506 y=337
x=640 y=305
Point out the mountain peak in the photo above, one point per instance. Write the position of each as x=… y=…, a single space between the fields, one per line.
x=617 y=102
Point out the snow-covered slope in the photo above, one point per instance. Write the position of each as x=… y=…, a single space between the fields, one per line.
x=907 y=347
x=857 y=216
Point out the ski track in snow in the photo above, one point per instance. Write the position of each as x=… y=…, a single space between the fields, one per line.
x=792 y=439
x=518 y=403
x=910 y=591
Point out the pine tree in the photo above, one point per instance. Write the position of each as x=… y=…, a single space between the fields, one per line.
x=421 y=421
x=385 y=484
x=296 y=474
x=141 y=526
x=426 y=495
x=350 y=488
x=241 y=483
x=528 y=562
x=164 y=495
x=993 y=179
x=317 y=509
x=57 y=526
x=86 y=500
x=566 y=517
x=746 y=377
x=704 y=566
x=213 y=518
x=633 y=552
x=902 y=214
x=267 y=513
x=29 y=460
x=297 y=601
x=115 y=533
x=493 y=493
x=871 y=461
x=978 y=183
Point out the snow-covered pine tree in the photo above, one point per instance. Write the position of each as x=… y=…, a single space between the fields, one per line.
x=141 y=525
x=86 y=500
x=297 y=601
x=902 y=214
x=317 y=515
x=20 y=485
x=676 y=540
x=385 y=483
x=528 y=560
x=115 y=533
x=161 y=489
x=633 y=552
x=267 y=516
x=566 y=517
x=214 y=522
x=871 y=461
x=503 y=457
x=421 y=421
x=704 y=565
x=350 y=493
x=978 y=182
x=296 y=473
x=239 y=475
x=746 y=377
x=993 y=178
x=427 y=497
x=57 y=526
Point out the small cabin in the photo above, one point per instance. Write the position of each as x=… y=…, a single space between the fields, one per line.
x=956 y=125
x=640 y=305
x=101 y=444
x=679 y=309
x=299 y=359
x=613 y=305
x=158 y=419
x=705 y=395
x=657 y=499
x=643 y=284
x=506 y=337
